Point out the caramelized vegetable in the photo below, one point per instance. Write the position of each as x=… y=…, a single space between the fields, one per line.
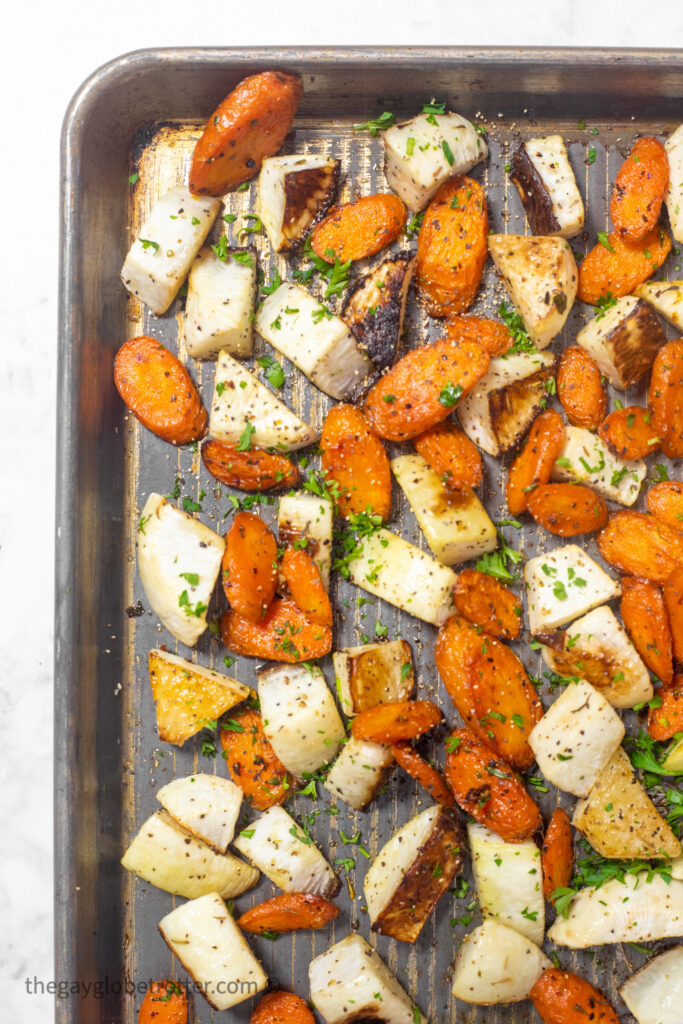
x=535 y=462
x=450 y=453
x=665 y=502
x=665 y=397
x=580 y=389
x=253 y=470
x=491 y=335
x=357 y=230
x=284 y=634
x=306 y=586
x=429 y=778
x=281 y=1008
x=488 y=789
x=354 y=458
x=564 y=998
x=567 y=509
x=645 y=619
x=251 y=761
x=289 y=912
x=619 y=266
x=249 y=125
x=638 y=546
x=488 y=604
x=666 y=719
x=672 y=591
x=423 y=387
x=629 y=434
x=557 y=853
x=249 y=566
x=159 y=390
x=165 y=1002
x=392 y=723
x=639 y=189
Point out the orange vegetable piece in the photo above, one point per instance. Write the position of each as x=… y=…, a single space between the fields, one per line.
x=490 y=689
x=306 y=586
x=564 y=998
x=665 y=397
x=165 y=1002
x=252 y=763
x=254 y=470
x=645 y=619
x=580 y=389
x=672 y=592
x=623 y=266
x=429 y=778
x=628 y=433
x=423 y=387
x=639 y=189
x=449 y=451
x=665 y=502
x=249 y=125
x=281 y=1008
x=157 y=388
x=567 y=510
x=284 y=634
x=355 y=459
x=637 y=545
x=492 y=335
x=354 y=231
x=557 y=853
x=452 y=247
x=488 y=603
x=392 y=723
x=535 y=462
x=665 y=721
x=488 y=789
x=249 y=567
x=289 y=912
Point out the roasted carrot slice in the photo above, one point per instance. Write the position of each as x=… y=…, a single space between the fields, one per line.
x=557 y=853
x=564 y=998
x=567 y=509
x=672 y=592
x=618 y=266
x=252 y=763
x=535 y=462
x=488 y=789
x=490 y=689
x=629 y=434
x=249 y=567
x=306 y=586
x=249 y=125
x=281 y=1008
x=354 y=231
x=355 y=459
x=284 y=634
x=429 y=778
x=423 y=388
x=666 y=719
x=155 y=386
x=289 y=912
x=638 y=545
x=254 y=470
x=491 y=335
x=665 y=397
x=451 y=247
x=580 y=389
x=392 y=723
x=665 y=502
x=639 y=189
x=488 y=603
x=165 y=1002
x=645 y=619
x=449 y=452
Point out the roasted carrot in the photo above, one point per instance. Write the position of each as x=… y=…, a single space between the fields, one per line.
x=488 y=789
x=629 y=434
x=488 y=604
x=535 y=462
x=357 y=230
x=355 y=459
x=249 y=125
x=665 y=502
x=249 y=567
x=564 y=998
x=618 y=266
x=449 y=452
x=665 y=719
x=665 y=397
x=580 y=388
x=451 y=247
x=429 y=778
x=645 y=619
x=557 y=853
x=252 y=763
x=639 y=546
x=491 y=335
x=165 y=1002
x=672 y=592
x=281 y=1008
x=567 y=510
x=639 y=189
x=289 y=912
x=254 y=470
x=392 y=723
x=284 y=634
x=423 y=387
x=306 y=586
x=155 y=386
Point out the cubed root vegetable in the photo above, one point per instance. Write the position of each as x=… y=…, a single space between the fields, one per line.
x=428 y=777
x=251 y=761
x=450 y=452
x=488 y=604
x=284 y=634
x=252 y=470
x=567 y=509
x=306 y=586
x=249 y=567
x=564 y=998
x=665 y=398
x=665 y=720
x=580 y=388
x=357 y=230
x=636 y=545
x=639 y=189
x=645 y=618
x=557 y=853
x=281 y=1007
x=629 y=433
x=392 y=723
x=535 y=462
x=289 y=912
x=354 y=458
x=165 y=1002
x=618 y=266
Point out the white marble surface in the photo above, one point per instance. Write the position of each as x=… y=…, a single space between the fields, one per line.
x=49 y=49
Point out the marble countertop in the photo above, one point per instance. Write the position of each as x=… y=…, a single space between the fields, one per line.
x=49 y=50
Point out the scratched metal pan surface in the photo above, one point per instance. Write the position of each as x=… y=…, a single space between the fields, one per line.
x=142 y=114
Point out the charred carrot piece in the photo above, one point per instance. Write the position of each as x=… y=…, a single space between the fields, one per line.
x=449 y=452
x=639 y=189
x=488 y=604
x=250 y=566
x=393 y=723
x=251 y=761
x=254 y=470
x=567 y=510
x=557 y=853
x=629 y=433
x=357 y=230
x=535 y=462
x=429 y=778
x=305 y=585
x=665 y=502
x=580 y=388
x=289 y=912
x=638 y=546
x=646 y=621
x=665 y=397
x=564 y=998
x=165 y=1003
x=492 y=335
x=284 y=634
x=666 y=719
x=281 y=1008
x=355 y=459
x=618 y=266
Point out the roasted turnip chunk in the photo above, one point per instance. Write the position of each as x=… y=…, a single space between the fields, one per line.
x=547 y=186
x=293 y=191
x=306 y=515
x=674 y=194
x=374 y=308
x=584 y=459
x=160 y=257
x=359 y=771
x=495 y=964
x=623 y=341
x=373 y=674
x=666 y=297
x=509 y=881
x=205 y=805
x=654 y=994
x=219 y=308
x=564 y=584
